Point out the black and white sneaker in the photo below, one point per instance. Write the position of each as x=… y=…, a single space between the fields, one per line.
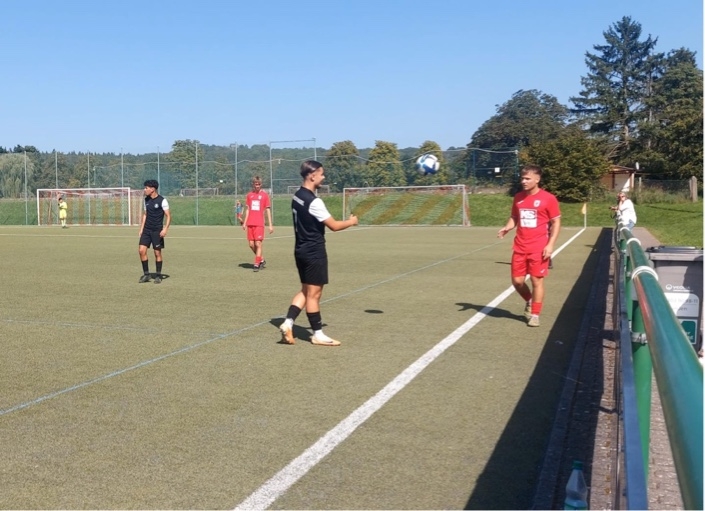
x=263 y=264
x=255 y=267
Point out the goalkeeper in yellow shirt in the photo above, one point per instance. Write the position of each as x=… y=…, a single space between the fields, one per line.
x=63 y=207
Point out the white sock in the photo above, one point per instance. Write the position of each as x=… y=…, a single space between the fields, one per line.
x=288 y=322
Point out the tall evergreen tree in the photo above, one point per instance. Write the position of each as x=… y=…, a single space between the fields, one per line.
x=671 y=139
x=618 y=82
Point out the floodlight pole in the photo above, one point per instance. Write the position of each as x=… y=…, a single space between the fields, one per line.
x=196 y=183
x=235 y=146
x=26 y=211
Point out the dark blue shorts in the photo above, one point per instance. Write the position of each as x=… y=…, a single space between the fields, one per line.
x=313 y=271
x=152 y=238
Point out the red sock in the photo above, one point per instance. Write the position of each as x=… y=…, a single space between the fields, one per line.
x=258 y=260
x=536 y=308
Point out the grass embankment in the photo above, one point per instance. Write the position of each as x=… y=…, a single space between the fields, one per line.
x=671 y=223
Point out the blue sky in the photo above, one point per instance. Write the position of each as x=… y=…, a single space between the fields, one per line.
x=134 y=76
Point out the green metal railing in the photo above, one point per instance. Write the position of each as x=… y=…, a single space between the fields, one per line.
x=659 y=346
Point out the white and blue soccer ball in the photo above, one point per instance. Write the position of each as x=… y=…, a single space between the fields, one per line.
x=427 y=164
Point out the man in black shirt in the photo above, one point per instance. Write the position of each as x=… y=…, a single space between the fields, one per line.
x=311 y=217
x=152 y=228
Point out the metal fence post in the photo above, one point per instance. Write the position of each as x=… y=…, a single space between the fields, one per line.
x=643 y=370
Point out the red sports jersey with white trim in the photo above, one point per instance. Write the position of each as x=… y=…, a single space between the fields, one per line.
x=256 y=203
x=533 y=214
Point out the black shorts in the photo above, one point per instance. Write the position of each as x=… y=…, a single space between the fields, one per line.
x=152 y=238
x=313 y=271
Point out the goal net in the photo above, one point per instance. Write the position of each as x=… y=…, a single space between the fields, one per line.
x=408 y=205
x=90 y=206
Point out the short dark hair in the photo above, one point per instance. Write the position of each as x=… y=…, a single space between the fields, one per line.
x=532 y=168
x=152 y=183
x=310 y=166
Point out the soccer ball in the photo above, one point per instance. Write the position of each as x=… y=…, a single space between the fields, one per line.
x=427 y=164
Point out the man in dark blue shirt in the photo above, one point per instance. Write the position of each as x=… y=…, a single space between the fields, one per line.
x=152 y=229
x=311 y=217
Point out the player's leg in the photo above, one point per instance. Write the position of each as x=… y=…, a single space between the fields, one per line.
x=297 y=305
x=538 y=268
x=159 y=261
x=258 y=252
x=287 y=327
x=519 y=270
x=317 y=277
x=144 y=259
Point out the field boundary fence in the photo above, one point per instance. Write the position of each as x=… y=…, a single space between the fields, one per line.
x=652 y=342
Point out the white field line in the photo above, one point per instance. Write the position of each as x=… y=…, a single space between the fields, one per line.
x=275 y=487
x=218 y=337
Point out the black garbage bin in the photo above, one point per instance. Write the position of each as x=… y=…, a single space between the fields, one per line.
x=680 y=273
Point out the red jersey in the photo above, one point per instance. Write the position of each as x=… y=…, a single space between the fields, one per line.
x=533 y=215
x=256 y=203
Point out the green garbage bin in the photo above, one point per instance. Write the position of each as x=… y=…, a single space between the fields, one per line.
x=680 y=273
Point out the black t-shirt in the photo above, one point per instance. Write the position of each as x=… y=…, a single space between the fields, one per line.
x=309 y=212
x=154 y=207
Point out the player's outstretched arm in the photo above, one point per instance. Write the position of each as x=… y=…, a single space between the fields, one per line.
x=339 y=225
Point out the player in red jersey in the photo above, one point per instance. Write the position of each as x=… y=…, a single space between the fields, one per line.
x=256 y=203
x=537 y=217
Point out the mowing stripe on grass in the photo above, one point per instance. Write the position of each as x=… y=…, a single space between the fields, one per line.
x=191 y=347
x=275 y=487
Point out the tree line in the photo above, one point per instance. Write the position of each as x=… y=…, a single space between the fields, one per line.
x=635 y=105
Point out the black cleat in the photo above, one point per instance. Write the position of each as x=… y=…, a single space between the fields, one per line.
x=145 y=278
x=263 y=264
x=158 y=279
x=255 y=267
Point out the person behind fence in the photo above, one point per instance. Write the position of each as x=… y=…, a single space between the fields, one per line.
x=63 y=207
x=626 y=211
x=257 y=202
x=537 y=218
x=238 y=211
x=152 y=229
x=311 y=217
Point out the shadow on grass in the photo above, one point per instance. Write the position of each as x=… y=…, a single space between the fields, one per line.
x=510 y=478
x=495 y=313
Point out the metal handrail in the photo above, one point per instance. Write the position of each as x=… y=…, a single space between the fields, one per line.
x=679 y=375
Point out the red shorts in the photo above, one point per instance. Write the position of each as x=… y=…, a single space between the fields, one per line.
x=255 y=232
x=529 y=264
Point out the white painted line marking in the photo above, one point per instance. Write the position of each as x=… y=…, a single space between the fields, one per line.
x=275 y=487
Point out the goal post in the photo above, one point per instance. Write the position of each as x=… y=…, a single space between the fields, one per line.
x=90 y=206
x=408 y=205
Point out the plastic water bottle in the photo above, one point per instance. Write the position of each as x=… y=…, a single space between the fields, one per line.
x=576 y=490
